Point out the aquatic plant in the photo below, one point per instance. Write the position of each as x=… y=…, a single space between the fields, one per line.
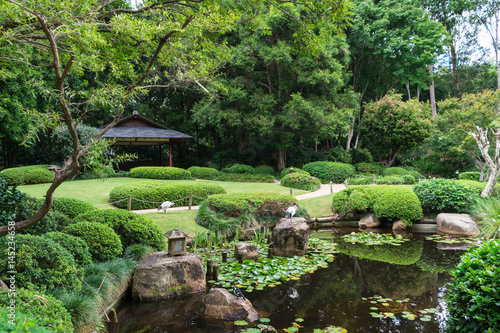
x=389 y=308
x=374 y=238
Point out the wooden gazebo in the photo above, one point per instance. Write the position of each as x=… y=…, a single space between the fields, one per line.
x=136 y=130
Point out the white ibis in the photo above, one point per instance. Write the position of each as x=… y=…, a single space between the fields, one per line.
x=290 y=212
x=164 y=206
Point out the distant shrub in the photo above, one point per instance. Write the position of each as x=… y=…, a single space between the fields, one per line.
x=104 y=243
x=203 y=173
x=469 y=175
x=408 y=179
x=415 y=174
x=390 y=180
x=361 y=181
x=245 y=177
x=36 y=312
x=33 y=174
x=339 y=154
x=473 y=295
x=131 y=227
x=479 y=186
x=286 y=171
x=40 y=263
x=445 y=195
x=75 y=245
x=241 y=168
x=152 y=193
x=225 y=157
x=301 y=182
x=361 y=155
x=71 y=207
x=170 y=173
x=373 y=168
x=330 y=171
x=395 y=171
x=264 y=170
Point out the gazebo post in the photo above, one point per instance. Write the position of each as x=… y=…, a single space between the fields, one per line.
x=170 y=151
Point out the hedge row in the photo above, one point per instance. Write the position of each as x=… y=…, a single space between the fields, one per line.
x=469 y=175
x=33 y=174
x=203 y=173
x=479 y=186
x=330 y=171
x=153 y=193
x=399 y=171
x=445 y=195
x=170 y=173
x=387 y=202
x=301 y=182
x=245 y=177
x=387 y=180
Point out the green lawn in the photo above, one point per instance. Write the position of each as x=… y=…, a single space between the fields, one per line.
x=182 y=219
x=319 y=206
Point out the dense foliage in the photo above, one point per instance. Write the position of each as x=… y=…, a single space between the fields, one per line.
x=330 y=171
x=475 y=284
x=150 y=194
x=240 y=168
x=75 y=245
x=373 y=168
x=171 y=173
x=264 y=170
x=203 y=173
x=445 y=195
x=245 y=177
x=71 y=207
x=34 y=174
x=301 y=182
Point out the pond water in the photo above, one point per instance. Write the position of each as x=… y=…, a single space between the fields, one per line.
x=410 y=277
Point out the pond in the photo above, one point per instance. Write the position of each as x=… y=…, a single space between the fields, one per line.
x=380 y=288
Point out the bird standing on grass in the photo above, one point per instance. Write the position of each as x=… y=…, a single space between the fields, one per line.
x=290 y=212
x=164 y=206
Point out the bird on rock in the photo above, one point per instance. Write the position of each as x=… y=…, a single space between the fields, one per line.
x=290 y=212
x=238 y=292
x=164 y=206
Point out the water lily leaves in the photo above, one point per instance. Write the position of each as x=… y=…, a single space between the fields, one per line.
x=452 y=240
x=374 y=238
x=389 y=308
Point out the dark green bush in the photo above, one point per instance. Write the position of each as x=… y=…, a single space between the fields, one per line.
x=415 y=174
x=469 y=175
x=339 y=154
x=361 y=155
x=389 y=202
x=301 y=182
x=361 y=180
x=203 y=173
x=408 y=179
x=395 y=171
x=241 y=168
x=445 y=195
x=390 y=180
x=286 y=171
x=44 y=310
x=152 y=193
x=75 y=245
x=479 y=186
x=131 y=227
x=373 y=168
x=104 y=243
x=473 y=297
x=170 y=173
x=264 y=170
x=245 y=177
x=40 y=263
x=330 y=171
x=71 y=207
x=225 y=157
x=33 y=174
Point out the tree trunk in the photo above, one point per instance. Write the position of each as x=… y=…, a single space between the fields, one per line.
x=356 y=141
x=350 y=134
x=492 y=181
x=281 y=158
x=408 y=90
x=481 y=137
x=432 y=93
x=3 y=285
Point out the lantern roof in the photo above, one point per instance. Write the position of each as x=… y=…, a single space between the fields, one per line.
x=175 y=234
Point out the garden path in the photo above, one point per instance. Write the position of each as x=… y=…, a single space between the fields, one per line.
x=324 y=190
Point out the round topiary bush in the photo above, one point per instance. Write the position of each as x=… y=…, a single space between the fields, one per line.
x=241 y=168
x=171 y=173
x=473 y=295
x=75 y=245
x=330 y=171
x=245 y=177
x=131 y=227
x=415 y=174
x=479 y=186
x=40 y=263
x=35 y=311
x=469 y=175
x=151 y=194
x=203 y=173
x=395 y=171
x=264 y=170
x=371 y=168
x=286 y=171
x=445 y=195
x=301 y=182
x=72 y=207
x=33 y=174
x=104 y=243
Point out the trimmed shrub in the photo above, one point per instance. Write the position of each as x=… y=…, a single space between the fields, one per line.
x=71 y=207
x=390 y=180
x=104 y=243
x=389 y=202
x=330 y=171
x=75 y=245
x=241 y=168
x=395 y=171
x=479 y=186
x=301 y=182
x=40 y=263
x=469 y=175
x=445 y=195
x=473 y=294
x=203 y=173
x=286 y=171
x=264 y=170
x=361 y=181
x=361 y=155
x=33 y=174
x=408 y=179
x=154 y=193
x=170 y=173
x=131 y=227
x=245 y=177
x=415 y=174
x=36 y=312
x=373 y=168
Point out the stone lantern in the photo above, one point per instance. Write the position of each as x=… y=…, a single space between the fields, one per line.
x=176 y=242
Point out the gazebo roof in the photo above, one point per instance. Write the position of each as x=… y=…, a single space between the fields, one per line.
x=136 y=130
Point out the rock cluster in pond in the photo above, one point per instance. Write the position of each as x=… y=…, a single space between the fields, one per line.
x=221 y=305
x=456 y=224
x=161 y=276
x=290 y=237
x=369 y=221
x=246 y=251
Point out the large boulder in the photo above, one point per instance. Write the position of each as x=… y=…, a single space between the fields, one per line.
x=456 y=224
x=246 y=251
x=369 y=221
x=399 y=226
x=221 y=305
x=161 y=276
x=290 y=237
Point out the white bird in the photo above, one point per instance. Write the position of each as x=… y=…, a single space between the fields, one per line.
x=290 y=212
x=164 y=206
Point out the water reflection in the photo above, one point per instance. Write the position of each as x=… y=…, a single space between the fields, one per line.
x=331 y=296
